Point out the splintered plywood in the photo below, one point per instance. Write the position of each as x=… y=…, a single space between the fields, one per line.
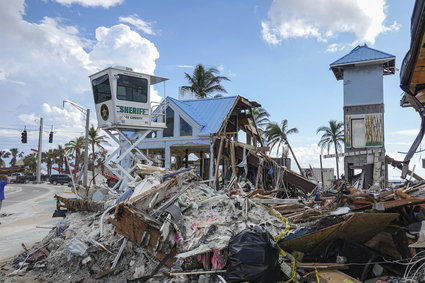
x=147 y=200
x=138 y=228
x=335 y=276
x=360 y=227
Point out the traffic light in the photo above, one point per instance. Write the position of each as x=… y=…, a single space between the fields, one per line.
x=24 y=136
x=51 y=137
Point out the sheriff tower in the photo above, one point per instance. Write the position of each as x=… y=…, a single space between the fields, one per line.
x=362 y=71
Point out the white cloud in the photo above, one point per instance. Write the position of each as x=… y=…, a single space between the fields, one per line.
x=310 y=155
x=325 y=19
x=186 y=66
x=50 y=61
x=408 y=132
x=68 y=122
x=29 y=119
x=123 y=46
x=138 y=23
x=334 y=47
x=91 y=3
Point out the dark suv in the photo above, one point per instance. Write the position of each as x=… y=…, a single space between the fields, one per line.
x=59 y=179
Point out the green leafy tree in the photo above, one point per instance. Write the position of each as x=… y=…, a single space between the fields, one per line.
x=3 y=154
x=278 y=135
x=333 y=135
x=15 y=155
x=95 y=140
x=204 y=82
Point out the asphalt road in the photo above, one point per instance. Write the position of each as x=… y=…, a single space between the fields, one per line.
x=26 y=192
x=28 y=209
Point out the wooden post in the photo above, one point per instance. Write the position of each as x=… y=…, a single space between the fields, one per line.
x=217 y=163
x=233 y=161
x=321 y=170
x=201 y=165
x=186 y=162
x=259 y=171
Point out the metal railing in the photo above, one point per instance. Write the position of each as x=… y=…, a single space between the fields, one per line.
x=158 y=112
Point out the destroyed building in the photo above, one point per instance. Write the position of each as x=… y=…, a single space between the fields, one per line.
x=192 y=127
x=362 y=71
x=248 y=220
x=412 y=77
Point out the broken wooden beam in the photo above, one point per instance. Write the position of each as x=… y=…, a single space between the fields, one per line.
x=382 y=206
x=74 y=204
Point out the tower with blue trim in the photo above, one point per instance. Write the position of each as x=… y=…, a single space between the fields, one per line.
x=362 y=72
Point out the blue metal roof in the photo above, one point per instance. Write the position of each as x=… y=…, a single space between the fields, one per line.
x=362 y=53
x=208 y=113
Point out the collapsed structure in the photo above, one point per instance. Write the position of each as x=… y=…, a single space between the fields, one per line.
x=232 y=214
x=172 y=227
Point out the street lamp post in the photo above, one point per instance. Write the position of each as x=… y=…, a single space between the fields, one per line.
x=85 y=111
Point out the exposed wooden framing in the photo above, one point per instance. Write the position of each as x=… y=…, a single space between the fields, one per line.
x=259 y=171
x=201 y=164
x=251 y=147
x=233 y=161
x=217 y=164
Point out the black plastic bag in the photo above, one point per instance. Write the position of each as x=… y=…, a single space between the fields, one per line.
x=253 y=256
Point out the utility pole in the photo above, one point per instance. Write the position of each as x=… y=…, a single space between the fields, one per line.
x=86 y=149
x=40 y=139
x=85 y=111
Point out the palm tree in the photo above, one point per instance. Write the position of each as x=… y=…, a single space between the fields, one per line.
x=3 y=154
x=60 y=158
x=76 y=146
x=101 y=159
x=204 y=82
x=30 y=161
x=96 y=140
x=15 y=154
x=48 y=158
x=332 y=135
x=278 y=135
x=261 y=118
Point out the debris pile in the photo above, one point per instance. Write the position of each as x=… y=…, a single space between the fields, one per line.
x=173 y=227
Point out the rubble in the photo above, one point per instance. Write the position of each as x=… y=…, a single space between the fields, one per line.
x=172 y=227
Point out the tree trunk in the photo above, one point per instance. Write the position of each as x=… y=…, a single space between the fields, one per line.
x=295 y=159
x=337 y=161
x=92 y=163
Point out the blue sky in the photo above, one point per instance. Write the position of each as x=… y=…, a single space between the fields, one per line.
x=275 y=52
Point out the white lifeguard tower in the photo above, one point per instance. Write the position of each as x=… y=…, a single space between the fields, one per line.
x=126 y=113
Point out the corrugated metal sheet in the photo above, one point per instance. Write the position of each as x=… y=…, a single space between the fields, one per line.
x=208 y=113
x=362 y=53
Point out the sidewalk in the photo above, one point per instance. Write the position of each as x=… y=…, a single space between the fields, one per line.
x=25 y=218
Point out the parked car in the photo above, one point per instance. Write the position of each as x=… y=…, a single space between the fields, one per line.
x=20 y=179
x=13 y=177
x=30 y=177
x=59 y=179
